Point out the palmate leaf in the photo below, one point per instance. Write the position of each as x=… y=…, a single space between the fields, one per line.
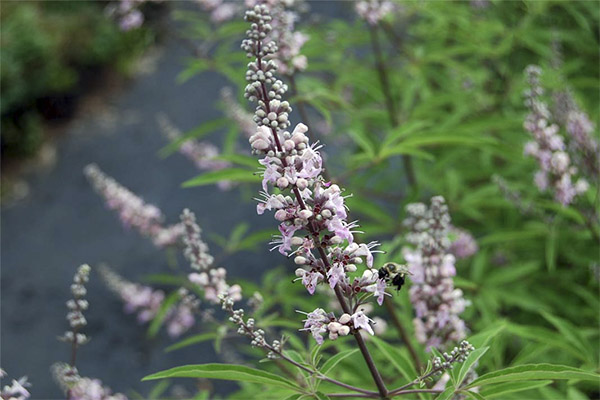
x=226 y=174
x=534 y=372
x=227 y=372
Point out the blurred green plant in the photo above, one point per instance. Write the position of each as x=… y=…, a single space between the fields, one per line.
x=49 y=51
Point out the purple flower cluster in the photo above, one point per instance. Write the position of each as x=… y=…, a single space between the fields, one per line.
x=146 y=302
x=548 y=146
x=132 y=210
x=208 y=278
x=463 y=244
x=288 y=58
x=139 y=299
x=436 y=302
x=16 y=390
x=127 y=13
x=220 y=10
x=82 y=388
x=319 y=323
x=291 y=164
x=373 y=11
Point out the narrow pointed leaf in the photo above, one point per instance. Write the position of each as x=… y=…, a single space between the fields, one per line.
x=227 y=372
x=532 y=372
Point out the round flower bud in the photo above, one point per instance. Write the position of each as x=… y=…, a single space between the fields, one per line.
x=282 y=182
x=326 y=213
x=344 y=330
x=351 y=268
x=296 y=241
x=334 y=326
x=260 y=144
x=344 y=319
x=299 y=260
x=336 y=240
x=333 y=336
x=300 y=272
x=301 y=183
x=289 y=145
x=305 y=214
x=281 y=215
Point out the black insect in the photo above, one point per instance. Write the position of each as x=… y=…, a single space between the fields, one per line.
x=394 y=273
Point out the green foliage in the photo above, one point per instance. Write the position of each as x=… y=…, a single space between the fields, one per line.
x=47 y=48
x=456 y=78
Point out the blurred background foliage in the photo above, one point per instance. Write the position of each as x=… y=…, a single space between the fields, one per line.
x=456 y=82
x=51 y=53
x=456 y=78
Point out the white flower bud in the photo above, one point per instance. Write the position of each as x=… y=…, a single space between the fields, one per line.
x=301 y=183
x=260 y=144
x=282 y=182
x=300 y=272
x=336 y=240
x=299 y=260
x=281 y=215
x=326 y=213
x=334 y=326
x=305 y=214
x=296 y=241
x=289 y=145
x=351 y=268
x=344 y=319
x=344 y=330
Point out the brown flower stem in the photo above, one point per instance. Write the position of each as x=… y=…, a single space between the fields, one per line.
x=389 y=100
x=403 y=334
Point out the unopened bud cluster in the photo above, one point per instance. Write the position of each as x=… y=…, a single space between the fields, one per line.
x=210 y=279
x=248 y=328
x=436 y=302
x=132 y=210
x=548 y=147
x=320 y=323
x=76 y=306
x=140 y=299
x=457 y=355
x=82 y=388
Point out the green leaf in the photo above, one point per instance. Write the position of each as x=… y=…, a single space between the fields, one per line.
x=511 y=387
x=226 y=174
x=162 y=313
x=227 y=372
x=397 y=358
x=532 y=372
x=446 y=394
x=335 y=360
x=240 y=159
x=158 y=389
x=195 y=133
x=473 y=395
x=469 y=362
x=569 y=333
x=483 y=338
x=203 y=337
